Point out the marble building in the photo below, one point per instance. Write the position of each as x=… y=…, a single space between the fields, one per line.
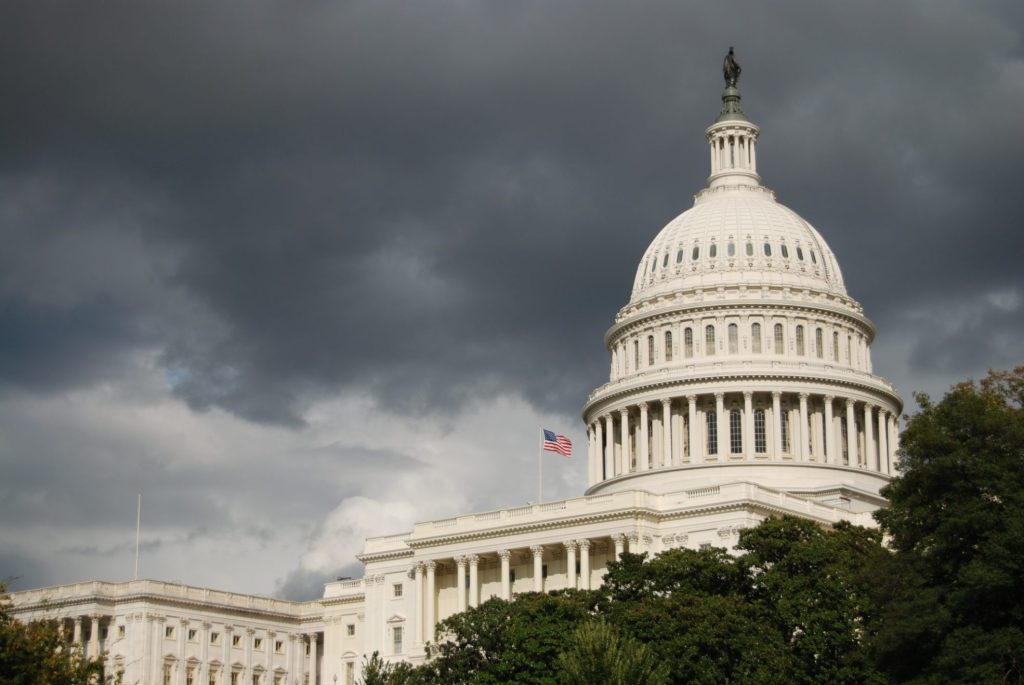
x=740 y=387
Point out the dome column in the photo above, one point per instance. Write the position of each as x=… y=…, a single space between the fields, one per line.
x=666 y=433
x=643 y=461
x=883 y=441
x=460 y=582
x=804 y=432
x=748 y=425
x=721 y=427
x=851 y=435
x=777 y=425
x=506 y=586
x=624 y=455
x=609 y=446
x=696 y=450
x=870 y=453
x=831 y=454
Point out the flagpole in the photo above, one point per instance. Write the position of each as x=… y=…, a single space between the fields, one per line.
x=138 y=528
x=540 y=466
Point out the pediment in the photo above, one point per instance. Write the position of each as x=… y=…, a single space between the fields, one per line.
x=396 y=618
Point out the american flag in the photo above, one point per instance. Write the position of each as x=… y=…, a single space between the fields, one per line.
x=557 y=443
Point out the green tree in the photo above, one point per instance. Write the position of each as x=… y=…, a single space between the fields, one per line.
x=598 y=653
x=37 y=653
x=956 y=518
x=377 y=671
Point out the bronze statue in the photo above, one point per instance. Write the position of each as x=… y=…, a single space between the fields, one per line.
x=731 y=69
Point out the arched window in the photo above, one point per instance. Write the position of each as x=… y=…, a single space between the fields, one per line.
x=709 y=340
x=814 y=260
x=849 y=344
x=835 y=346
x=696 y=253
x=767 y=249
x=734 y=338
x=785 y=251
x=750 y=249
x=799 y=253
x=755 y=338
x=735 y=432
x=785 y=430
x=650 y=350
x=819 y=342
x=668 y=346
x=731 y=249
x=688 y=342
x=712 y=425
x=624 y=357
x=679 y=256
x=654 y=263
x=760 y=442
x=713 y=251
x=636 y=355
x=800 y=349
x=780 y=340
x=664 y=262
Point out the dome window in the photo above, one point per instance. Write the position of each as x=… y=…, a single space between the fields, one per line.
x=664 y=262
x=785 y=251
x=654 y=263
x=735 y=432
x=731 y=249
x=696 y=253
x=734 y=338
x=800 y=341
x=760 y=436
x=668 y=346
x=799 y=253
x=709 y=340
x=767 y=249
x=679 y=257
x=814 y=260
x=712 y=432
x=750 y=249
x=688 y=342
x=755 y=338
x=780 y=339
x=819 y=343
x=713 y=251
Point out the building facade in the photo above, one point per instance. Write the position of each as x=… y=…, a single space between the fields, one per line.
x=740 y=387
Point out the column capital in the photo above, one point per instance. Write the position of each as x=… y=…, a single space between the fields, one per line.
x=584 y=544
x=748 y=395
x=570 y=545
x=868 y=406
x=504 y=554
x=228 y=629
x=618 y=538
x=666 y=401
x=473 y=559
x=250 y=631
x=829 y=398
x=430 y=564
x=692 y=399
x=460 y=561
x=624 y=411
x=181 y=621
x=207 y=625
x=642 y=406
x=776 y=394
x=804 y=395
x=849 y=402
x=538 y=550
x=418 y=567
x=271 y=634
x=633 y=537
x=719 y=396
x=606 y=417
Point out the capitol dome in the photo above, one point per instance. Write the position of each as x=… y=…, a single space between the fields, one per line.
x=739 y=356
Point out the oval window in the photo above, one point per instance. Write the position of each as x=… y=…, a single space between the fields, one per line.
x=679 y=256
x=750 y=249
x=664 y=262
x=654 y=263
x=713 y=251
x=731 y=249
x=813 y=258
x=799 y=253
x=696 y=253
x=767 y=250
x=785 y=251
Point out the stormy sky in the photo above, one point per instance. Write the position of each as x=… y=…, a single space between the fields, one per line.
x=302 y=272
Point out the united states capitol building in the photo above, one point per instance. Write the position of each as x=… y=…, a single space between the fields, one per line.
x=740 y=387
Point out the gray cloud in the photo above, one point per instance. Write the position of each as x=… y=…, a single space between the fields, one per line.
x=432 y=205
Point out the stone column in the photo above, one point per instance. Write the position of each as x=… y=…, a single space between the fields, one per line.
x=634 y=542
x=506 y=586
x=748 y=425
x=831 y=453
x=182 y=630
x=157 y=662
x=883 y=440
x=292 y=661
x=312 y=659
x=570 y=564
x=204 y=654
x=609 y=448
x=722 y=427
x=76 y=635
x=460 y=582
x=225 y=675
x=247 y=673
x=620 y=544
x=804 y=431
x=696 y=449
x=268 y=676
x=851 y=435
x=474 y=580
x=777 y=424
x=94 y=636
x=419 y=603
x=431 y=599
x=584 y=545
x=625 y=460
x=538 y=567
x=666 y=433
x=598 y=450
x=643 y=460
x=871 y=456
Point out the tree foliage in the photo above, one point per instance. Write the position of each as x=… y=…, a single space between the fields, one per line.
x=956 y=518
x=38 y=653
x=598 y=653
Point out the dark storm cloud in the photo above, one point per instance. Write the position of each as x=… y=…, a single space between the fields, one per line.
x=435 y=201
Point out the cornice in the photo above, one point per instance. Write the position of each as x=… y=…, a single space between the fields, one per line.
x=344 y=599
x=389 y=555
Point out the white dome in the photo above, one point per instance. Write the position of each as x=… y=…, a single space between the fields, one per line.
x=736 y=235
